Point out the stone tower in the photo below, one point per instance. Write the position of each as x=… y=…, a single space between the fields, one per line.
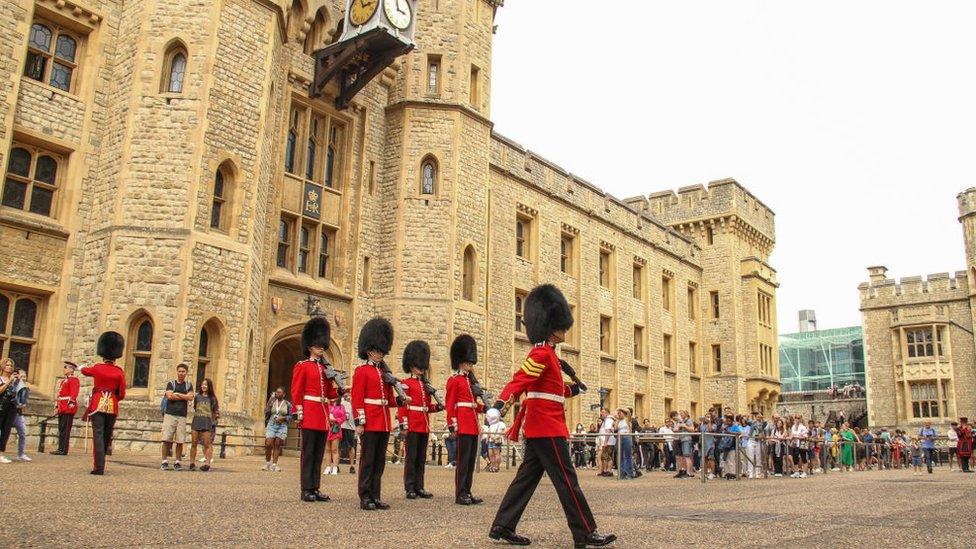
x=434 y=192
x=967 y=217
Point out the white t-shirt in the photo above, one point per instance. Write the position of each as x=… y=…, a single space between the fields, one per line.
x=606 y=432
x=666 y=431
x=799 y=431
x=953 y=436
x=496 y=432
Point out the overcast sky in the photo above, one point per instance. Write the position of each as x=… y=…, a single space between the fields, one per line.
x=853 y=121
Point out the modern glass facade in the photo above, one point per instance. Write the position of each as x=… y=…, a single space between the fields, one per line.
x=817 y=360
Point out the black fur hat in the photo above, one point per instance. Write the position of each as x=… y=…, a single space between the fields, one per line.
x=111 y=345
x=316 y=334
x=464 y=349
x=546 y=311
x=376 y=335
x=416 y=355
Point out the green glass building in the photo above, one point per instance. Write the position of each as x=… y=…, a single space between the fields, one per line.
x=816 y=360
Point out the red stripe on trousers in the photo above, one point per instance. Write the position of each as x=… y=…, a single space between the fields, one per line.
x=571 y=491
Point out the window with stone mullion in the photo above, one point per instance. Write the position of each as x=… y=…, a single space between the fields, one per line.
x=51 y=55
x=18 y=328
x=31 y=180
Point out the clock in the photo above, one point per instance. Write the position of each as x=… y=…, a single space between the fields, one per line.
x=361 y=11
x=398 y=12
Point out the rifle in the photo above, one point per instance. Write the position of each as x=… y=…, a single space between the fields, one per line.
x=479 y=392
x=332 y=375
x=430 y=390
x=571 y=373
x=393 y=382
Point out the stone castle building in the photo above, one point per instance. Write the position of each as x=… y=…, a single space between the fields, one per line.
x=918 y=339
x=168 y=176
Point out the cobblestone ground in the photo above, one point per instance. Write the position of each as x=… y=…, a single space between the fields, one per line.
x=54 y=502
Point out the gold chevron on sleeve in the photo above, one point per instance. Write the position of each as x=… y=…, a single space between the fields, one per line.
x=532 y=368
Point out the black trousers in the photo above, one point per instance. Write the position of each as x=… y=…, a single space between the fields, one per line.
x=313 y=448
x=549 y=456
x=65 y=421
x=467 y=452
x=372 y=462
x=415 y=462
x=7 y=417
x=102 y=427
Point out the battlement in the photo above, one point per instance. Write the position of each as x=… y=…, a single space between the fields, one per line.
x=967 y=202
x=719 y=199
x=942 y=285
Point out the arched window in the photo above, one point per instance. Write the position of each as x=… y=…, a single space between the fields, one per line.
x=296 y=21
x=318 y=33
x=140 y=343
x=291 y=144
x=223 y=192
x=174 y=69
x=51 y=54
x=18 y=329
x=331 y=156
x=468 y=274
x=32 y=179
x=428 y=176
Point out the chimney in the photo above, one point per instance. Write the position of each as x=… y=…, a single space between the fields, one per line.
x=877 y=273
x=808 y=320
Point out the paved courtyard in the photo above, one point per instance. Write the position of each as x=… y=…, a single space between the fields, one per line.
x=54 y=502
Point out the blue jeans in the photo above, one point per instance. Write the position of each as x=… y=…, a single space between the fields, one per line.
x=929 y=461
x=627 y=459
x=21 y=435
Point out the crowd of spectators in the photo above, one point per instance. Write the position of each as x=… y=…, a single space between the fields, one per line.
x=779 y=446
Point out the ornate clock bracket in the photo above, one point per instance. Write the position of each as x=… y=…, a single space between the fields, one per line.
x=355 y=62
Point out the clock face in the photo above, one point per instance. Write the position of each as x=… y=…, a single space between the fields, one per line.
x=398 y=12
x=361 y=11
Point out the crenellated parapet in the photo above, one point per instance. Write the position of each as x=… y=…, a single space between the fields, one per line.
x=912 y=289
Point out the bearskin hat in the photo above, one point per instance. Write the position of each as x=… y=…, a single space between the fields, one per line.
x=316 y=334
x=464 y=349
x=546 y=311
x=416 y=355
x=376 y=335
x=111 y=345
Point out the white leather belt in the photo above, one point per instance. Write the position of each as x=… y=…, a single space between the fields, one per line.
x=376 y=401
x=546 y=396
x=313 y=398
x=466 y=405
x=64 y=398
x=416 y=408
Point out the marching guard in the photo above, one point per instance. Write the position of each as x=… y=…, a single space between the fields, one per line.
x=66 y=407
x=372 y=398
x=414 y=418
x=547 y=318
x=311 y=393
x=108 y=389
x=462 y=416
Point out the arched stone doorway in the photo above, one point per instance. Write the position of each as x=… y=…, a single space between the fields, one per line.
x=285 y=352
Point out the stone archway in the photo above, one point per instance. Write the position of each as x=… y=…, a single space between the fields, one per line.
x=285 y=352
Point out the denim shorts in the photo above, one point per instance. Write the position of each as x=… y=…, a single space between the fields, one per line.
x=686 y=448
x=276 y=430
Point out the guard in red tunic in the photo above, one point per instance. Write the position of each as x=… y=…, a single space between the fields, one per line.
x=462 y=416
x=66 y=406
x=107 y=390
x=372 y=398
x=414 y=418
x=311 y=393
x=547 y=318
x=964 y=445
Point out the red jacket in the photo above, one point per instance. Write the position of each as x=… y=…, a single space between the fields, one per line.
x=367 y=385
x=462 y=410
x=108 y=389
x=417 y=413
x=67 y=402
x=311 y=392
x=541 y=379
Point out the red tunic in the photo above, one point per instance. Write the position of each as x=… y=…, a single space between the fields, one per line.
x=67 y=402
x=108 y=388
x=371 y=398
x=311 y=392
x=417 y=413
x=541 y=379
x=964 y=446
x=462 y=410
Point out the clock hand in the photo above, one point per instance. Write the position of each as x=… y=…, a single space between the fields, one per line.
x=398 y=7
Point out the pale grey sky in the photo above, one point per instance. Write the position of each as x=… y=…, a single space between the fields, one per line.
x=854 y=121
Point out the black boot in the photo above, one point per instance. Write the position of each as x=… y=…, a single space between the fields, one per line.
x=381 y=505
x=424 y=494
x=308 y=496
x=412 y=495
x=504 y=534
x=367 y=505
x=595 y=539
x=320 y=496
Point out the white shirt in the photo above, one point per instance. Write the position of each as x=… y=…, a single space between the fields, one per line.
x=799 y=431
x=953 y=436
x=666 y=431
x=495 y=432
x=606 y=430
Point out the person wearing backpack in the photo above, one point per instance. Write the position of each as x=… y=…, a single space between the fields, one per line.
x=179 y=392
